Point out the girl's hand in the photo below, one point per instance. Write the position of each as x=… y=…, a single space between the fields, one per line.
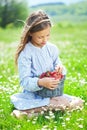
x=49 y=83
x=59 y=68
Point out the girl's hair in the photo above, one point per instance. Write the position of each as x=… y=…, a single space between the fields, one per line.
x=37 y=21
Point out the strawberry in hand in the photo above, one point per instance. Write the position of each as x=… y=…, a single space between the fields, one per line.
x=45 y=74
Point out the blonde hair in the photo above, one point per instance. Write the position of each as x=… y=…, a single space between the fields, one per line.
x=37 y=21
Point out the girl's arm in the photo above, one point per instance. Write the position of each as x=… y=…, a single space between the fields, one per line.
x=58 y=66
x=26 y=80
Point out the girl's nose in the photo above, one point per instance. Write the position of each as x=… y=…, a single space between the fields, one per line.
x=44 y=39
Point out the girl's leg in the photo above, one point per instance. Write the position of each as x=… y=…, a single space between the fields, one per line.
x=29 y=112
x=67 y=102
x=56 y=103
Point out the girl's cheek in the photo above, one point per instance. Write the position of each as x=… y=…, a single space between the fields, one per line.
x=39 y=40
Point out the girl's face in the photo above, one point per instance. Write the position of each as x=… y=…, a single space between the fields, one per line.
x=40 y=38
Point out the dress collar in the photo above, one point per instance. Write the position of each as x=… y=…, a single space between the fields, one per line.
x=38 y=48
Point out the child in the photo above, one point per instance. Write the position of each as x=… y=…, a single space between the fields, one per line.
x=34 y=56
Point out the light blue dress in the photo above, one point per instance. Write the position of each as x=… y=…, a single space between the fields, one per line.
x=32 y=62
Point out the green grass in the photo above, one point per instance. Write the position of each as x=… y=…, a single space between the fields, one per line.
x=72 y=42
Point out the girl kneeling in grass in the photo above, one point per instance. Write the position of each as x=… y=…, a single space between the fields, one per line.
x=41 y=72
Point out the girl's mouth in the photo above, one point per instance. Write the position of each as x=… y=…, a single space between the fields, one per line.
x=43 y=43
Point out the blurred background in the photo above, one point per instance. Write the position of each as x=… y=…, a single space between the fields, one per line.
x=11 y=11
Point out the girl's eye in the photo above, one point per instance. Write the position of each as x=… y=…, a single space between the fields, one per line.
x=48 y=35
x=43 y=37
x=39 y=37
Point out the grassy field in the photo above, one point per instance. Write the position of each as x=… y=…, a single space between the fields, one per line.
x=72 y=42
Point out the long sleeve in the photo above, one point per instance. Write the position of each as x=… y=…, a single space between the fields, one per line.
x=27 y=81
x=56 y=59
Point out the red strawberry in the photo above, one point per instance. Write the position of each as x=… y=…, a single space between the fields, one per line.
x=48 y=73
x=43 y=75
x=53 y=74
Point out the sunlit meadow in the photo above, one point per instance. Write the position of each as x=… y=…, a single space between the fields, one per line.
x=71 y=39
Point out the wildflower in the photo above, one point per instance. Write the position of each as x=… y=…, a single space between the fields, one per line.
x=51 y=114
x=47 y=117
x=80 y=119
x=63 y=124
x=33 y=122
x=82 y=82
x=28 y=120
x=61 y=117
x=86 y=103
x=67 y=119
x=80 y=126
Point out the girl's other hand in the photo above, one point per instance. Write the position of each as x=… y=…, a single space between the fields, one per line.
x=59 y=68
